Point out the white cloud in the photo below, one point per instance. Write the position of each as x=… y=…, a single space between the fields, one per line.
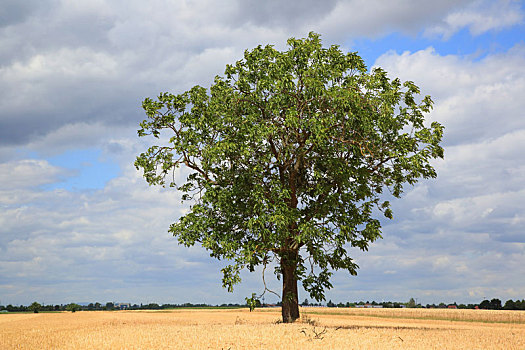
x=376 y=18
x=479 y=17
x=66 y=236
x=474 y=100
x=466 y=222
x=28 y=173
x=68 y=62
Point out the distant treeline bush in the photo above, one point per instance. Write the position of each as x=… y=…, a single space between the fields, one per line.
x=494 y=304
x=36 y=307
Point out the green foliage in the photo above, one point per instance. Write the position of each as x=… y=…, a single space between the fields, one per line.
x=494 y=304
x=411 y=303
x=35 y=307
x=253 y=302
x=514 y=305
x=73 y=307
x=290 y=153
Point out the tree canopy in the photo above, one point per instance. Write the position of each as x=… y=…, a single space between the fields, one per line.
x=289 y=155
x=35 y=307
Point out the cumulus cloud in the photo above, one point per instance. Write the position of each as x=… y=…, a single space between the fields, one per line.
x=475 y=100
x=14 y=11
x=376 y=18
x=289 y=14
x=459 y=234
x=28 y=173
x=117 y=234
x=479 y=17
x=64 y=62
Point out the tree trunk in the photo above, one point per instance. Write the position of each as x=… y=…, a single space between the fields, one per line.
x=290 y=309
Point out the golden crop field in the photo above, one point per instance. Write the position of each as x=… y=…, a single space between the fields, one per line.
x=319 y=328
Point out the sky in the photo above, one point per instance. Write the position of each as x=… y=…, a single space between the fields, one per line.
x=78 y=223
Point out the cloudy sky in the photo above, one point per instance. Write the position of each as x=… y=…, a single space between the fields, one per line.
x=78 y=222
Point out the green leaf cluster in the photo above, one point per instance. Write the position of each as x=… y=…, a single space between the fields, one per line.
x=290 y=153
x=73 y=307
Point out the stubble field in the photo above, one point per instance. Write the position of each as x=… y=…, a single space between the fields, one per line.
x=319 y=328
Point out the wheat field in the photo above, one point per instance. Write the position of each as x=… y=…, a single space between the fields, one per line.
x=319 y=328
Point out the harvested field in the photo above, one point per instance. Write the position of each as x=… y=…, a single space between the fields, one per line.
x=320 y=328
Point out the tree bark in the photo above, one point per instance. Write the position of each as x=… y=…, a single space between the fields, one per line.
x=290 y=308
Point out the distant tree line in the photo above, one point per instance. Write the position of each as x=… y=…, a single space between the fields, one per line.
x=494 y=304
x=385 y=304
x=37 y=307
x=459 y=306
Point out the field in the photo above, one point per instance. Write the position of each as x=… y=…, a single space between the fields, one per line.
x=319 y=328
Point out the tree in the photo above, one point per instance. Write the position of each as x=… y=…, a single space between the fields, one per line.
x=495 y=304
x=510 y=305
x=289 y=154
x=35 y=307
x=485 y=304
x=73 y=307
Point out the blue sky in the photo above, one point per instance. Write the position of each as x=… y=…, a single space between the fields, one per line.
x=462 y=43
x=78 y=223
x=88 y=167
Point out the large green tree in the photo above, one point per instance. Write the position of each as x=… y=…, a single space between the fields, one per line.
x=289 y=155
x=35 y=307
